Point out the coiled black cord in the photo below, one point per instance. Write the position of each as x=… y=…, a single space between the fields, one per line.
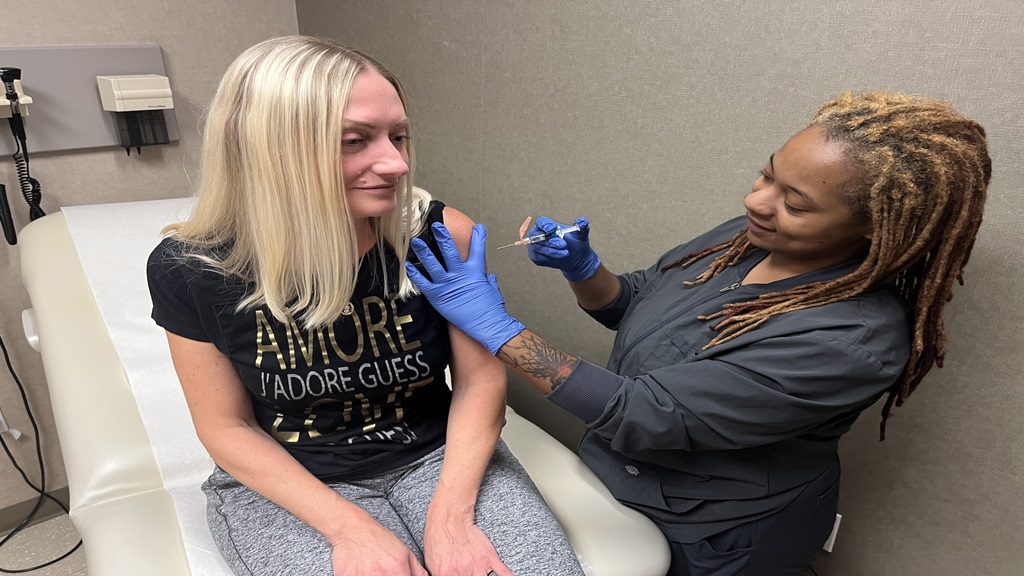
x=41 y=489
x=30 y=188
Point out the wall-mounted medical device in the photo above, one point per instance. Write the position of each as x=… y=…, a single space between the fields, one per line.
x=20 y=106
x=14 y=105
x=14 y=109
x=138 y=102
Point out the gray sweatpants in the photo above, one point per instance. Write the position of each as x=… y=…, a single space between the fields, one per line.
x=259 y=538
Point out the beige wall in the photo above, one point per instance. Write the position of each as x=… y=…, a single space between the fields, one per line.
x=199 y=39
x=651 y=118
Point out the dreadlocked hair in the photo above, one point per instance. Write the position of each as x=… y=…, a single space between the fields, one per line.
x=922 y=175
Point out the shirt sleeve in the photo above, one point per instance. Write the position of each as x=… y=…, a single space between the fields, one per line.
x=174 y=307
x=435 y=213
x=630 y=285
x=754 y=395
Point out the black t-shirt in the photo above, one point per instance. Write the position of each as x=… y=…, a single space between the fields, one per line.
x=363 y=395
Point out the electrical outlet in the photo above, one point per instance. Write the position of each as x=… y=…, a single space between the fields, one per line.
x=832 y=537
x=3 y=423
x=6 y=429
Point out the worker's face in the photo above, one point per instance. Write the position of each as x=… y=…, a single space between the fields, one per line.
x=796 y=209
x=375 y=152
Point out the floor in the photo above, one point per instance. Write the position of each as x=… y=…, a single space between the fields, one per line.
x=42 y=543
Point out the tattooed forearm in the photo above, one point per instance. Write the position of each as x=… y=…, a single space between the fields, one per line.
x=534 y=356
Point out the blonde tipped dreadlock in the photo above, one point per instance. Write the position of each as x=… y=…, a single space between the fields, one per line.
x=923 y=171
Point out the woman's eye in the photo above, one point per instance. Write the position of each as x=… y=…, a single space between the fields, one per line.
x=400 y=139
x=763 y=174
x=353 y=141
x=794 y=210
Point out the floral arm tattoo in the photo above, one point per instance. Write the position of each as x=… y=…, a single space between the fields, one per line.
x=534 y=356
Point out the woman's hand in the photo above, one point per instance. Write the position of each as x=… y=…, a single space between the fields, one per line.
x=460 y=549
x=370 y=548
x=571 y=253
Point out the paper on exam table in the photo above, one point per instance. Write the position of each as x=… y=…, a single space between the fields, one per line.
x=113 y=242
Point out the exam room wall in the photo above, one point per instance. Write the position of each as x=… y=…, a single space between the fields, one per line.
x=651 y=118
x=199 y=40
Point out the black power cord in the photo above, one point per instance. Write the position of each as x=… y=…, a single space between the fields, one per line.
x=30 y=189
x=41 y=489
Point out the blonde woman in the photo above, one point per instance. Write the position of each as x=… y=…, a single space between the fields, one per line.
x=314 y=371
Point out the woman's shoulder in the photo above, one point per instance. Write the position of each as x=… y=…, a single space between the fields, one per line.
x=168 y=255
x=436 y=211
x=174 y=258
x=874 y=321
x=885 y=308
x=457 y=222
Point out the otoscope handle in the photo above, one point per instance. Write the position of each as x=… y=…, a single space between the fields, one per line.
x=5 y=218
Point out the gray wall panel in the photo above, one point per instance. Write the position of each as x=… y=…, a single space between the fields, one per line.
x=652 y=117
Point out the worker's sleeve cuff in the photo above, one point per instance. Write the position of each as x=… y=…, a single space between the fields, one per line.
x=587 y=390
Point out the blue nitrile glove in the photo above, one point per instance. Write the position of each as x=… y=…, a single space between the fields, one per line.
x=464 y=293
x=571 y=254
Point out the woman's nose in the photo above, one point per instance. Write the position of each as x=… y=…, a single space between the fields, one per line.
x=391 y=161
x=759 y=201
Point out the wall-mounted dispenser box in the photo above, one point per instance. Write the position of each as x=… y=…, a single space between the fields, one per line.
x=138 y=102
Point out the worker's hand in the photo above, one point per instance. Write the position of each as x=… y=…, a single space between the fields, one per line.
x=462 y=291
x=571 y=254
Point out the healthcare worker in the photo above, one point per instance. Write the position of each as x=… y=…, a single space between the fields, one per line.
x=742 y=356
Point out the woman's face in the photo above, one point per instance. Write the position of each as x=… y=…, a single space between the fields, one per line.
x=375 y=152
x=796 y=209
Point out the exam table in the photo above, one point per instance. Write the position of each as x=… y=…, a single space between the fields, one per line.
x=133 y=461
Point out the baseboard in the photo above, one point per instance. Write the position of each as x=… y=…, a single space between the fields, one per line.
x=11 y=516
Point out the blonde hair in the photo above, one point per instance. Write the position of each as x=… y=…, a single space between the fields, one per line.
x=922 y=175
x=271 y=205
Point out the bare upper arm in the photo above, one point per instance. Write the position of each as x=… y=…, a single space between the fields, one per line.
x=470 y=360
x=460 y=227
x=215 y=394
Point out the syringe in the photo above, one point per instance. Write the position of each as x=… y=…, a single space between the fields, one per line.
x=560 y=232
